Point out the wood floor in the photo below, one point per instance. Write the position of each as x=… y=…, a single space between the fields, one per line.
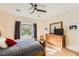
x=65 y=52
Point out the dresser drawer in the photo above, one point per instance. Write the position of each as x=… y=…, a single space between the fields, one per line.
x=55 y=39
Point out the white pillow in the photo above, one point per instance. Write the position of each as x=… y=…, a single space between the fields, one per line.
x=27 y=37
x=3 y=43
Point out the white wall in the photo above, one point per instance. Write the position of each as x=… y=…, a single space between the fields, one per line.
x=72 y=38
x=7 y=22
x=70 y=17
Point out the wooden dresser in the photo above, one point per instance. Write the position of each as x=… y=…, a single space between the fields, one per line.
x=57 y=40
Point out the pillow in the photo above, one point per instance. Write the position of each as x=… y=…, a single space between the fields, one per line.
x=10 y=42
x=25 y=40
x=3 y=43
x=27 y=37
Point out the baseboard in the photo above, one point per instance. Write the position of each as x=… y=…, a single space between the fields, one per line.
x=73 y=51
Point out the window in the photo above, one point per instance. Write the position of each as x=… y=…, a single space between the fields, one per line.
x=26 y=30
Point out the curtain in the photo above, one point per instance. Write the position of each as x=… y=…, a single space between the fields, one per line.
x=35 y=30
x=17 y=30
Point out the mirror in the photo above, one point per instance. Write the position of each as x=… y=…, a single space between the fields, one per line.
x=56 y=27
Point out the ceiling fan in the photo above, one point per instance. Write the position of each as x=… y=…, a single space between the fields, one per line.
x=36 y=9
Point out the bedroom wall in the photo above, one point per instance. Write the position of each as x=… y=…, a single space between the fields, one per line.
x=70 y=17
x=7 y=23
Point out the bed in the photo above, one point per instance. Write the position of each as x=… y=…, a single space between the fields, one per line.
x=24 y=47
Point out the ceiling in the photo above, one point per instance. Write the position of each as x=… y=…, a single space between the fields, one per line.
x=24 y=9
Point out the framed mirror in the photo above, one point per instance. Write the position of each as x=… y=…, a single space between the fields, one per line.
x=57 y=26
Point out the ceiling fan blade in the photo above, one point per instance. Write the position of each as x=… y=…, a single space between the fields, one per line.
x=35 y=8
x=41 y=10
x=32 y=5
x=32 y=11
x=35 y=5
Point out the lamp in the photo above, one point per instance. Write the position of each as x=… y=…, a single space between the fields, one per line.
x=42 y=37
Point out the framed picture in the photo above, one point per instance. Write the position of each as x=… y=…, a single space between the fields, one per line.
x=56 y=25
x=73 y=27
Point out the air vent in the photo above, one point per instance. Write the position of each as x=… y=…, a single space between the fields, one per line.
x=18 y=10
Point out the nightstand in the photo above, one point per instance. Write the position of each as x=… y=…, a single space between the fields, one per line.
x=42 y=43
